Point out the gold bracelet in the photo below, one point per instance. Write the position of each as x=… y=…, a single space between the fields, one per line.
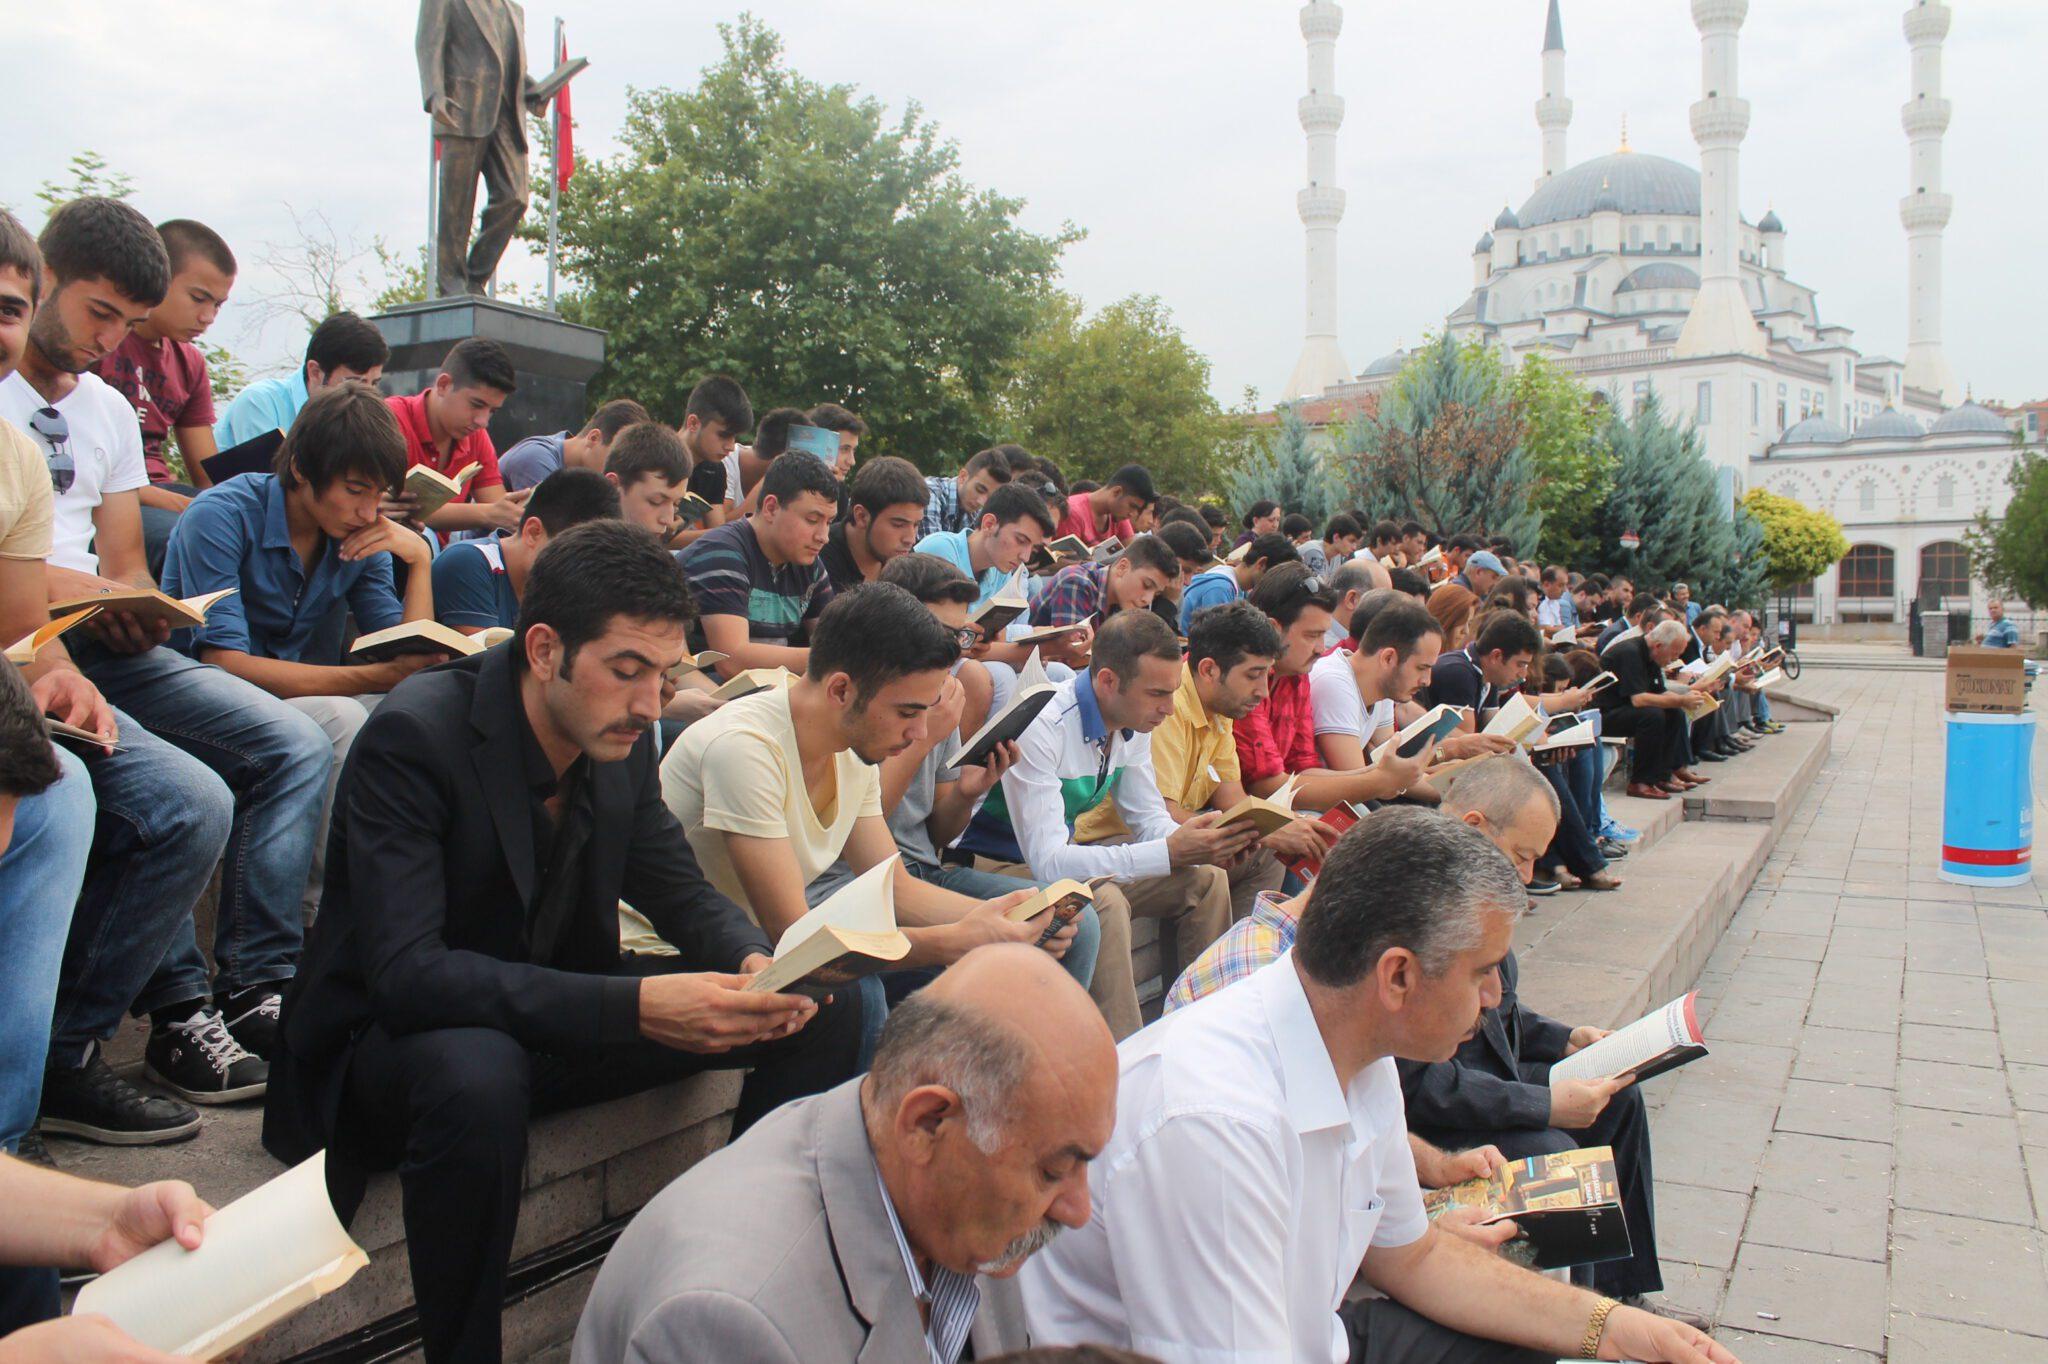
x=1596 y=1326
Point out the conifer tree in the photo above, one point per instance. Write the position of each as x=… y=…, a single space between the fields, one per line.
x=1288 y=470
x=1666 y=494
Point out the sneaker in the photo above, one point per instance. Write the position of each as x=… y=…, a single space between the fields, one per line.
x=1543 y=885
x=1613 y=851
x=1620 y=833
x=200 y=1060
x=94 y=1104
x=252 y=1017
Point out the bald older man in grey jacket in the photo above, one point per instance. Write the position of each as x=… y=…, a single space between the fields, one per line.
x=882 y=1220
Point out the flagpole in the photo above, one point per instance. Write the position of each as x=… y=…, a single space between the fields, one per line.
x=555 y=180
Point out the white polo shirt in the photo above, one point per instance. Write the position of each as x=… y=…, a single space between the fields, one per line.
x=1237 y=1198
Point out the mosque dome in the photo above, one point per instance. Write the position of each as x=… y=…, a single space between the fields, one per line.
x=1390 y=363
x=1628 y=182
x=1814 y=431
x=1771 y=222
x=1891 y=424
x=1484 y=246
x=1969 y=418
x=1658 y=275
x=1506 y=221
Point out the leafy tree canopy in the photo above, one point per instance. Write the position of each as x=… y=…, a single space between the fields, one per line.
x=1799 y=542
x=2011 y=553
x=1574 y=469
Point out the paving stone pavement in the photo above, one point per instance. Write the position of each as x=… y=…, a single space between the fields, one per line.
x=1859 y=1170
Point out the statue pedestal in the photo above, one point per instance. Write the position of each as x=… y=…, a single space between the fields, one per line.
x=554 y=359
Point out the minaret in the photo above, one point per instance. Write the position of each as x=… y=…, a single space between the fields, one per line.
x=1553 y=111
x=1721 y=322
x=1925 y=209
x=1321 y=204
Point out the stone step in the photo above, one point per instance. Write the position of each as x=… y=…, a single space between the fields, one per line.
x=1765 y=783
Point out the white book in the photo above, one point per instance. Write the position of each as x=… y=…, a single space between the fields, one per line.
x=1515 y=720
x=1576 y=734
x=264 y=1256
x=1662 y=1040
x=852 y=933
x=1633 y=632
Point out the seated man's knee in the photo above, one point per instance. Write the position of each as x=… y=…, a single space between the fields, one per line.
x=478 y=1080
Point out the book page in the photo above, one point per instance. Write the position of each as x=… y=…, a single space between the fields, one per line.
x=1675 y=1026
x=263 y=1256
x=23 y=651
x=866 y=904
x=1032 y=674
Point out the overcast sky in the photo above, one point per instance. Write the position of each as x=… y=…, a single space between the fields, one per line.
x=1167 y=130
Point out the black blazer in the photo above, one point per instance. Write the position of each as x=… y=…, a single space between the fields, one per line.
x=1488 y=1085
x=430 y=870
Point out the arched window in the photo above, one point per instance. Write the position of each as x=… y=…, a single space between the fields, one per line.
x=1866 y=495
x=1864 y=583
x=1944 y=574
x=1635 y=236
x=1663 y=236
x=1944 y=493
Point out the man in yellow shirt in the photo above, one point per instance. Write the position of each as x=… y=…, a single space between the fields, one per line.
x=1231 y=652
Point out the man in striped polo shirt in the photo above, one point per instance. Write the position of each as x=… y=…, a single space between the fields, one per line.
x=757 y=580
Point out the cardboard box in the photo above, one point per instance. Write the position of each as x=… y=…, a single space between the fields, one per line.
x=1987 y=681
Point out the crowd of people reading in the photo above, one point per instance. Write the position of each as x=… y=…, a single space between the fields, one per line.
x=517 y=775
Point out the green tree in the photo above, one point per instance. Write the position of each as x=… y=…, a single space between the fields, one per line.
x=1666 y=493
x=1288 y=469
x=2011 y=553
x=89 y=175
x=1121 y=387
x=785 y=232
x=1561 y=431
x=1445 y=446
x=1799 y=543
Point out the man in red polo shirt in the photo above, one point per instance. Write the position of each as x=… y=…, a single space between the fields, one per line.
x=1095 y=516
x=447 y=428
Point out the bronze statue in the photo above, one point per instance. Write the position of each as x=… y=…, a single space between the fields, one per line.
x=473 y=82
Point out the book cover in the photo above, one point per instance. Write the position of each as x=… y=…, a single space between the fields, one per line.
x=1034 y=692
x=1662 y=1040
x=23 y=651
x=414 y=637
x=816 y=441
x=1428 y=728
x=434 y=489
x=256 y=455
x=1270 y=813
x=1567 y=1205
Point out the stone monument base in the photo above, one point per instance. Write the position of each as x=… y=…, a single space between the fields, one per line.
x=554 y=359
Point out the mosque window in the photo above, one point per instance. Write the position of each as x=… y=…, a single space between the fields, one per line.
x=1945 y=492
x=1944 y=574
x=1688 y=239
x=1635 y=236
x=1866 y=495
x=1579 y=239
x=1704 y=407
x=1756 y=405
x=1553 y=244
x=1663 y=236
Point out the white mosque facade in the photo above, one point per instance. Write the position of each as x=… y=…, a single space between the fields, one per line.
x=1637 y=274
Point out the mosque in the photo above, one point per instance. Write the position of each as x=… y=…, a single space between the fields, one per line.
x=1638 y=274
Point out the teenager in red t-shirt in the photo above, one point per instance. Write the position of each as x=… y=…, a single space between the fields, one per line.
x=162 y=374
x=1095 y=516
x=447 y=428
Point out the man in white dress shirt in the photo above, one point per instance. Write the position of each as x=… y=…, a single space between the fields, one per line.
x=1260 y=1166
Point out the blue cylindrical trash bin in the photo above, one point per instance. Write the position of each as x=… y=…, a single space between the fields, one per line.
x=1987 y=827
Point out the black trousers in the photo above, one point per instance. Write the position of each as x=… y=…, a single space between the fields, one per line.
x=449 y=1110
x=1625 y=1125
x=1659 y=739
x=1382 y=1331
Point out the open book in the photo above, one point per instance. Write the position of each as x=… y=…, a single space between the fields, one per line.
x=1600 y=680
x=696 y=663
x=435 y=489
x=1034 y=692
x=1428 y=728
x=689 y=511
x=1010 y=601
x=1236 y=556
x=1653 y=1044
x=1340 y=817
x=1045 y=634
x=1566 y=1203
x=256 y=455
x=418 y=637
x=23 y=651
x=1516 y=720
x=1701 y=706
x=264 y=1256
x=1564 y=731
x=1270 y=813
x=1105 y=550
x=1770 y=677
x=148 y=604
x=1633 y=632
x=1068 y=549
x=1066 y=899
x=853 y=933
x=751 y=680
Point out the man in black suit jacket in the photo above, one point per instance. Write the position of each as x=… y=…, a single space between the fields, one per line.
x=1496 y=1090
x=465 y=974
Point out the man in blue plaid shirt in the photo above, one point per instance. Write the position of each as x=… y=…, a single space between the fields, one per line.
x=1146 y=567
x=956 y=502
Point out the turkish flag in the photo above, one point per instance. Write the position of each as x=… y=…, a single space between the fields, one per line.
x=565 y=140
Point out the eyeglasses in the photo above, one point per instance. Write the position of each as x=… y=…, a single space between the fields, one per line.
x=968 y=635
x=49 y=423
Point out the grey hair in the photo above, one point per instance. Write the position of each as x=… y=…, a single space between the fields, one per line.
x=1666 y=632
x=929 y=1042
x=1352 y=577
x=1499 y=788
x=1403 y=877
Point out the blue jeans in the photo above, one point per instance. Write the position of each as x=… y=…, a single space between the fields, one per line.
x=1574 y=842
x=270 y=762
x=39 y=878
x=1582 y=776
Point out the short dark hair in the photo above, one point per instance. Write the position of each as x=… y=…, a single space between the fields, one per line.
x=647 y=448
x=1129 y=636
x=28 y=762
x=1384 y=533
x=1149 y=551
x=1403 y=877
x=569 y=497
x=1294 y=523
x=771 y=436
x=1553 y=574
x=1469 y=543
x=1231 y=633
x=479 y=362
x=1511 y=634
x=1340 y=525
x=1368 y=609
x=185 y=238
x=1284 y=594
x=615 y=416
x=992 y=461
x=345 y=341
x=1272 y=550
x=789 y=479
x=18 y=251
x=1409 y=528
x=100 y=238
x=1186 y=515
x=347 y=429
x=1015 y=502
x=1408 y=582
x=1022 y=461
x=887 y=482
x=833 y=417
x=1135 y=480
x=1265 y=506
x=1190 y=546
x=930 y=578
x=593 y=572
x=1085 y=485
x=720 y=398
x=876 y=633
x=1401 y=626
